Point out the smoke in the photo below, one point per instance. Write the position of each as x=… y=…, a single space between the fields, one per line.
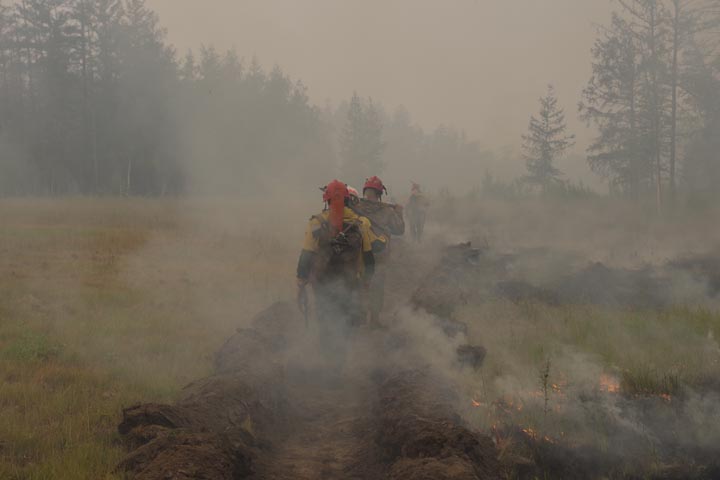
x=439 y=48
x=15 y=173
x=222 y=260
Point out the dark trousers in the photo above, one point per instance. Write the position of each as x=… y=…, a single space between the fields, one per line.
x=376 y=293
x=338 y=310
x=417 y=225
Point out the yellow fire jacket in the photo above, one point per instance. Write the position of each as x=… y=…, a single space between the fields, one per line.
x=311 y=245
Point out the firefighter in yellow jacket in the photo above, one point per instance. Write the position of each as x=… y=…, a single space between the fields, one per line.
x=386 y=220
x=337 y=260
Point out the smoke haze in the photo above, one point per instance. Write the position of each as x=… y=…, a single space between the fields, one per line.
x=547 y=308
x=464 y=62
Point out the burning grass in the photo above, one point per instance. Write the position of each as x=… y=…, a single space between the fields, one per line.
x=625 y=387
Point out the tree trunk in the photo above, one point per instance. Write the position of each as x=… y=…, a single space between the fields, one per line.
x=656 y=121
x=85 y=106
x=30 y=82
x=633 y=153
x=96 y=166
x=129 y=176
x=6 y=90
x=674 y=86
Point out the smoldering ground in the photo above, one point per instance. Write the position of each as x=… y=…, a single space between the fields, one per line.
x=572 y=385
x=556 y=392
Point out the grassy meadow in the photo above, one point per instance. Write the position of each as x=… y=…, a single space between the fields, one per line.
x=108 y=302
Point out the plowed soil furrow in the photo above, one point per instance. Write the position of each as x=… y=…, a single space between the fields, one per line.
x=330 y=434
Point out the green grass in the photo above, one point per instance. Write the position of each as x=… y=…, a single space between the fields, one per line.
x=58 y=419
x=665 y=348
x=590 y=350
x=107 y=303
x=30 y=347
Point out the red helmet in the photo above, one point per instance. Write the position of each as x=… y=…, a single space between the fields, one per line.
x=376 y=184
x=335 y=189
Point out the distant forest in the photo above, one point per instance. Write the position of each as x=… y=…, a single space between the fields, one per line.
x=93 y=100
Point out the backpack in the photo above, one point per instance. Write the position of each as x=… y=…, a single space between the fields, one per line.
x=339 y=253
x=384 y=218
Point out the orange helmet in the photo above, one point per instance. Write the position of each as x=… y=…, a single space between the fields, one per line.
x=336 y=195
x=376 y=184
x=335 y=189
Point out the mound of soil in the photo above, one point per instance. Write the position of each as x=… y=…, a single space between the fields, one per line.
x=258 y=418
x=219 y=425
x=471 y=356
x=214 y=429
x=421 y=436
x=451 y=283
x=253 y=349
x=704 y=268
x=598 y=284
x=466 y=274
x=595 y=284
x=183 y=455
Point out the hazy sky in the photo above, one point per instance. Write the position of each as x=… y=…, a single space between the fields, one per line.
x=477 y=64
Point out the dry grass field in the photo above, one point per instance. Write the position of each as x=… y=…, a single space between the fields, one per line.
x=108 y=302
x=104 y=303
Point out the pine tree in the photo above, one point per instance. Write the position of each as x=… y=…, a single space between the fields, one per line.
x=610 y=101
x=49 y=37
x=629 y=98
x=692 y=23
x=188 y=68
x=545 y=142
x=648 y=23
x=699 y=84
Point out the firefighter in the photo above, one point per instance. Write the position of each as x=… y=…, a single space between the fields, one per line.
x=416 y=211
x=386 y=220
x=354 y=196
x=338 y=261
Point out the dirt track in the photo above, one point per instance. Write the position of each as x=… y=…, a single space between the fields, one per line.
x=330 y=434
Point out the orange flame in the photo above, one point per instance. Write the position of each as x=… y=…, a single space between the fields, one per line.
x=609 y=383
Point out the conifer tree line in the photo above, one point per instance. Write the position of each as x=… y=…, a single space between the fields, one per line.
x=83 y=103
x=654 y=96
x=94 y=100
